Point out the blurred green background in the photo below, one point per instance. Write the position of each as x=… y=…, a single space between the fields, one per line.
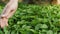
x=33 y=19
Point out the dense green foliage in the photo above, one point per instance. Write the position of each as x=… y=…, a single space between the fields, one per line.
x=34 y=19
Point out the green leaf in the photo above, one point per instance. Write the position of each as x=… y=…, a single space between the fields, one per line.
x=49 y=32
